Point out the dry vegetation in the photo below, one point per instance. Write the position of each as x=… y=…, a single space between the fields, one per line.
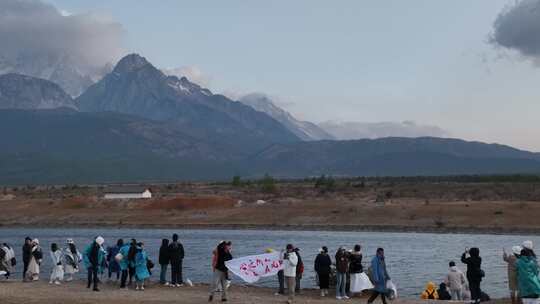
x=353 y=204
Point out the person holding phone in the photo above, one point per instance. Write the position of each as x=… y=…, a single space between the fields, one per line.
x=475 y=274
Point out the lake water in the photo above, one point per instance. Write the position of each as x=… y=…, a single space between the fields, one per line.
x=412 y=258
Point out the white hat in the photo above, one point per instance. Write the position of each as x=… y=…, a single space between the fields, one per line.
x=517 y=249
x=35 y=241
x=528 y=245
x=100 y=240
x=69 y=241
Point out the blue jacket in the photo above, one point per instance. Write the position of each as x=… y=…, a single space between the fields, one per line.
x=100 y=257
x=124 y=250
x=141 y=267
x=379 y=274
x=527 y=275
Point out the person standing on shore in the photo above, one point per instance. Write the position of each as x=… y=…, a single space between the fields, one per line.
x=7 y=259
x=141 y=267
x=131 y=260
x=527 y=277
x=113 y=266
x=94 y=255
x=356 y=269
x=72 y=259
x=122 y=259
x=299 y=270
x=176 y=256
x=455 y=281
x=164 y=260
x=323 y=265
x=379 y=276
x=290 y=260
x=471 y=257
x=342 y=267
x=220 y=271
x=32 y=273
x=511 y=260
x=57 y=273
x=26 y=255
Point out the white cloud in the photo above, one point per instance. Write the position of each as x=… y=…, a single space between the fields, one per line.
x=192 y=73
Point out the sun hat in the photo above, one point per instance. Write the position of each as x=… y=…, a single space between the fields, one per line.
x=528 y=244
x=517 y=249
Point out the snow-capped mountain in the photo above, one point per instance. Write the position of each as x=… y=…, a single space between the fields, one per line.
x=72 y=76
x=303 y=129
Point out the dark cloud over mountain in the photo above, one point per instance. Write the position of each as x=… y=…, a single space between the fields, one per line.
x=518 y=28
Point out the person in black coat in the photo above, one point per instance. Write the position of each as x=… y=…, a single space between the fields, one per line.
x=176 y=257
x=443 y=292
x=164 y=260
x=26 y=255
x=323 y=265
x=474 y=272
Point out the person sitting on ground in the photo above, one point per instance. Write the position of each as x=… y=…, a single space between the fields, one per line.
x=430 y=293
x=455 y=281
x=443 y=292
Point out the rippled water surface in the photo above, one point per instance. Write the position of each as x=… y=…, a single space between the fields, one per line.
x=412 y=258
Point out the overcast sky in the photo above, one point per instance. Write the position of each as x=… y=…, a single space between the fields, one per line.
x=470 y=67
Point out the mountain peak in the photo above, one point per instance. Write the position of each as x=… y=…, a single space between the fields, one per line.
x=130 y=63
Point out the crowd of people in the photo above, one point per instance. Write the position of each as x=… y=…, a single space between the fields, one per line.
x=129 y=262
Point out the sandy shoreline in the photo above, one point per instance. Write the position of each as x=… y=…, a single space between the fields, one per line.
x=16 y=292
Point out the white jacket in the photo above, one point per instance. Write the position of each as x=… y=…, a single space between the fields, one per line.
x=289 y=269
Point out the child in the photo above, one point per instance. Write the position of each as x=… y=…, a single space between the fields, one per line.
x=141 y=267
x=430 y=293
x=57 y=273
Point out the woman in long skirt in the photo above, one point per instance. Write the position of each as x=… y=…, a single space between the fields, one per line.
x=57 y=273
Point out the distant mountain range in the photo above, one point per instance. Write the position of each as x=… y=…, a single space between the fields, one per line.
x=305 y=130
x=138 y=124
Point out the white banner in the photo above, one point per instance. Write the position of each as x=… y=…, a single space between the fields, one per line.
x=252 y=268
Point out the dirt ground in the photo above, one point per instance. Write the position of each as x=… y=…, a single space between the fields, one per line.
x=76 y=293
x=442 y=207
